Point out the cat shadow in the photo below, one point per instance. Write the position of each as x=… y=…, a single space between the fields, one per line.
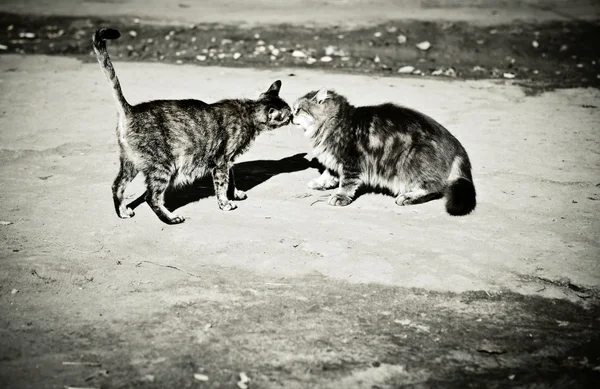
x=247 y=176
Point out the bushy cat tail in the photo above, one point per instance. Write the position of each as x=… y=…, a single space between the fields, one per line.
x=99 y=41
x=460 y=192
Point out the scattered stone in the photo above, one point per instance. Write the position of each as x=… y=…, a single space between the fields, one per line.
x=511 y=377
x=562 y=323
x=136 y=20
x=200 y=377
x=508 y=75
x=226 y=41
x=201 y=57
x=563 y=48
x=423 y=46
x=493 y=32
x=237 y=56
x=5 y=223
x=402 y=39
x=147 y=378
x=275 y=52
x=257 y=36
x=221 y=55
x=27 y=35
x=535 y=44
x=179 y=62
x=450 y=72
x=406 y=69
x=579 y=65
x=391 y=29
x=377 y=34
x=207 y=326
x=417 y=72
x=298 y=54
x=536 y=72
x=3 y=47
x=480 y=42
x=326 y=59
x=14 y=291
x=311 y=60
x=489 y=347
x=478 y=68
x=377 y=59
x=132 y=33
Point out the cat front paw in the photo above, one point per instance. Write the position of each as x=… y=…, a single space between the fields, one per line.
x=228 y=206
x=320 y=184
x=339 y=200
x=176 y=219
x=240 y=195
x=126 y=213
x=403 y=200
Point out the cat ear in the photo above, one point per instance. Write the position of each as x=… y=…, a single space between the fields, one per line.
x=274 y=89
x=321 y=95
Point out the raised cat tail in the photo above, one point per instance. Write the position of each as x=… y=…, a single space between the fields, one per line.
x=460 y=192
x=99 y=40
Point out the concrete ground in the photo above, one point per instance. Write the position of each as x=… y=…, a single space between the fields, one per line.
x=76 y=265
x=315 y=12
x=287 y=289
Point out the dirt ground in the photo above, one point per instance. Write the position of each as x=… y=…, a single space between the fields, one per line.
x=287 y=289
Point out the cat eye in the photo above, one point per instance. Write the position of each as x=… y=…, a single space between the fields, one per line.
x=271 y=111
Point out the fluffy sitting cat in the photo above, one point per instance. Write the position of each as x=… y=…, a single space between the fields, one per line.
x=176 y=141
x=385 y=146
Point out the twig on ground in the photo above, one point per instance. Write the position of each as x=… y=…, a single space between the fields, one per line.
x=80 y=363
x=168 y=266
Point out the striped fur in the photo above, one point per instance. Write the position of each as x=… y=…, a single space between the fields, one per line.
x=384 y=146
x=174 y=142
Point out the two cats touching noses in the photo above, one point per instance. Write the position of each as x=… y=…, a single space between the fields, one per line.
x=173 y=142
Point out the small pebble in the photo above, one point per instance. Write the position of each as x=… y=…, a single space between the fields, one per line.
x=376 y=59
x=28 y=35
x=508 y=75
x=132 y=33
x=237 y=55
x=406 y=69
x=311 y=60
x=298 y=54
x=14 y=291
x=423 y=46
x=201 y=57
x=377 y=34
x=402 y=39
x=392 y=29
x=3 y=47
x=200 y=377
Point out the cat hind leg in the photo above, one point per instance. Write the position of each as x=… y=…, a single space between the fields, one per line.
x=155 y=197
x=127 y=173
x=417 y=196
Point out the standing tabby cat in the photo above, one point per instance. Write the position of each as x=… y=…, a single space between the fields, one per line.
x=177 y=141
x=384 y=146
